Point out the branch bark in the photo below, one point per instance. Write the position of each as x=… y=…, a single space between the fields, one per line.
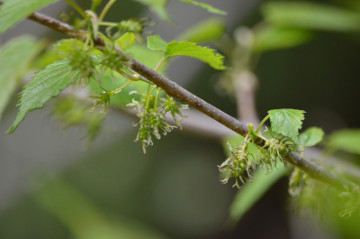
x=245 y=84
x=182 y=94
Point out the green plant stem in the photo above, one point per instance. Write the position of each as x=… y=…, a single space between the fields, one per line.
x=106 y=9
x=173 y=89
x=76 y=7
x=121 y=88
x=94 y=24
x=157 y=97
x=262 y=123
x=147 y=98
x=109 y=24
x=159 y=64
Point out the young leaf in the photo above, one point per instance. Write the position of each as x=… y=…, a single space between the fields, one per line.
x=252 y=192
x=15 y=57
x=347 y=140
x=311 y=16
x=207 y=55
x=286 y=122
x=205 y=6
x=311 y=136
x=156 y=43
x=47 y=84
x=273 y=38
x=63 y=49
x=190 y=49
x=126 y=40
x=13 y=11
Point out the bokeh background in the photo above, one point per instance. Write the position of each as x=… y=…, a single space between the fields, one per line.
x=54 y=185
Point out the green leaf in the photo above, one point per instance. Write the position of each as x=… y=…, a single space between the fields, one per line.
x=311 y=16
x=311 y=136
x=126 y=40
x=15 y=58
x=251 y=192
x=273 y=38
x=286 y=122
x=206 y=31
x=190 y=49
x=66 y=48
x=157 y=6
x=47 y=84
x=205 y=6
x=347 y=140
x=13 y=11
x=156 y=43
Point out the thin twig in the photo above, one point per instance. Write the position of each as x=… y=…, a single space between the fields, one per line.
x=57 y=25
x=245 y=84
x=182 y=94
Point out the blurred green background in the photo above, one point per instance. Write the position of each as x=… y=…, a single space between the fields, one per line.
x=53 y=186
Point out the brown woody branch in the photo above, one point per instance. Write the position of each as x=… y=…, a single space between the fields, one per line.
x=182 y=94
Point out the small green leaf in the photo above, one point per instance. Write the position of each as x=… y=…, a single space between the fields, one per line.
x=205 y=6
x=311 y=16
x=311 y=136
x=15 y=57
x=251 y=192
x=206 y=31
x=286 y=122
x=126 y=40
x=156 y=43
x=47 y=84
x=159 y=7
x=190 y=49
x=347 y=140
x=13 y=11
x=66 y=48
x=273 y=38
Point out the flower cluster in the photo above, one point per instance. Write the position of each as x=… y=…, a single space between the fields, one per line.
x=152 y=117
x=84 y=62
x=240 y=165
x=243 y=161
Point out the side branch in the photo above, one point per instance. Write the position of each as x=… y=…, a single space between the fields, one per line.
x=180 y=93
x=57 y=25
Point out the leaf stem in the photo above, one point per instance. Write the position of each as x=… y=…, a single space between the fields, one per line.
x=159 y=64
x=120 y=88
x=157 y=97
x=262 y=123
x=147 y=97
x=76 y=7
x=106 y=9
x=110 y=24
